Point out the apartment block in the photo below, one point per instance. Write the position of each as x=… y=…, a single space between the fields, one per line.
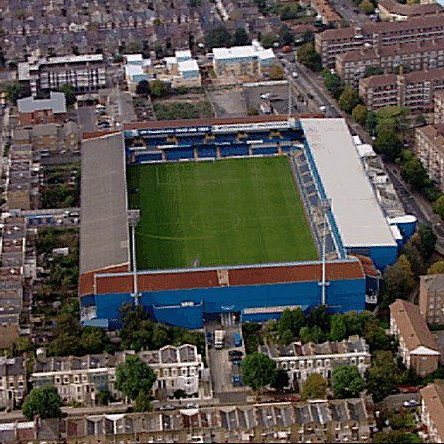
x=431 y=298
x=414 y=90
x=302 y=360
x=417 y=346
x=438 y=109
x=333 y=42
x=412 y=56
x=429 y=146
x=432 y=411
x=80 y=379
x=86 y=73
x=12 y=382
x=236 y=61
x=393 y=11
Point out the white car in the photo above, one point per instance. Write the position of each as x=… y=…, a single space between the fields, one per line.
x=265 y=95
x=323 y=108
x=294 y=74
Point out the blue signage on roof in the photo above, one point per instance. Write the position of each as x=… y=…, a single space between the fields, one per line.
x=159 y=131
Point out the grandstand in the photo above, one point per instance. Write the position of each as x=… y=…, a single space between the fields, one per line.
x=236 y=271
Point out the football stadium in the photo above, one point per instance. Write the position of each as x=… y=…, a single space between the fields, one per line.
x=197 y=220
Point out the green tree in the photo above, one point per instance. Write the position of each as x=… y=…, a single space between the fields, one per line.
x=134 y=377
x=436 y=268
x=348 y=99
x=373 y=71
x=382 y=376
x=315 y=387
x=143 y=403
x=290 y=11
x=427 y=241
x=338 y=329
x=218 y=37
x=438 y=207
x=396 y=437
x=276 y=72
x=308 y=56
x=359 y=114
x=367 y=7
x=70 y=94
x=159 y=88
x=376 y=338
x=347 y=381
x=94 y=340
x=143 y=88
x=280 y=380
x=311 y=334
x=14 y=91
x=388 y=144
x=258 y=370
x=333 y=83
x=319 y=317
x=398 y=280
x=286 y=36
x=371 y=122
x=292 y=320
x=241 y=37
x=103 y=397
x=44 y=402
x=268 y=40
x=64 y=344
x=414 y=173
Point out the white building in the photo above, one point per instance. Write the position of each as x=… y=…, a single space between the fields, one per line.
x=136 y=70
x=79 y=379
x=86 y=73
x=242 y=60
x=302 y=360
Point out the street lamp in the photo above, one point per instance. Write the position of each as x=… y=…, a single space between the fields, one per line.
x=133 y=220
x=325 y=208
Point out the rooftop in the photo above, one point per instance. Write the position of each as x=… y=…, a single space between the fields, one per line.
x=433 y=398
x=412 y=326
x=394 y=7
x=56 y=103
x=235 y=52
x=414 y=23
x=104 y=237
x=357 y=213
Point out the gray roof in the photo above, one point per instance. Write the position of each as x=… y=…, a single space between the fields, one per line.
x=359 y=217
x=56 y=103
x=104 y=237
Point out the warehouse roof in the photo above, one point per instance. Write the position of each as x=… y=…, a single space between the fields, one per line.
x=236 y=52
x=104 y=237
x=357 y=213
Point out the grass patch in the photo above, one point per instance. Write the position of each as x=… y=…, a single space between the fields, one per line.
x=241 y=211
x=183 y=110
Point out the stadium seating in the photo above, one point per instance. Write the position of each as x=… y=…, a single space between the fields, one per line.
x=207 y=152
x=234 y=150
x=181 y=153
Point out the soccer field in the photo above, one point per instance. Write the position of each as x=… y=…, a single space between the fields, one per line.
x=227 y=212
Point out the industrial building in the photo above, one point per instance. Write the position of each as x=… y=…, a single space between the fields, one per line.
x=326 y=168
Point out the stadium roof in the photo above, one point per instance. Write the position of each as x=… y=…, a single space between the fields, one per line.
x=104 y=237
x=359 y=217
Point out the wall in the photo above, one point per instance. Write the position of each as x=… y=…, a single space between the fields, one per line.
x=165 y=306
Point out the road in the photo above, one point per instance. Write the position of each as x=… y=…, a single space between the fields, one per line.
x=349 y=12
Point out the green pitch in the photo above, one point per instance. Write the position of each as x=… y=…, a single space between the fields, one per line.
x=228 y=212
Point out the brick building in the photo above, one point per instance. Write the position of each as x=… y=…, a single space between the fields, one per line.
x=432 y=411
x=393 y=11
x=412 y=56
x=429 y=146
x=332 y=42
x=417 y=346
x=431 y=298
x=414 y=90
x=12 y=382
x=33 y=111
